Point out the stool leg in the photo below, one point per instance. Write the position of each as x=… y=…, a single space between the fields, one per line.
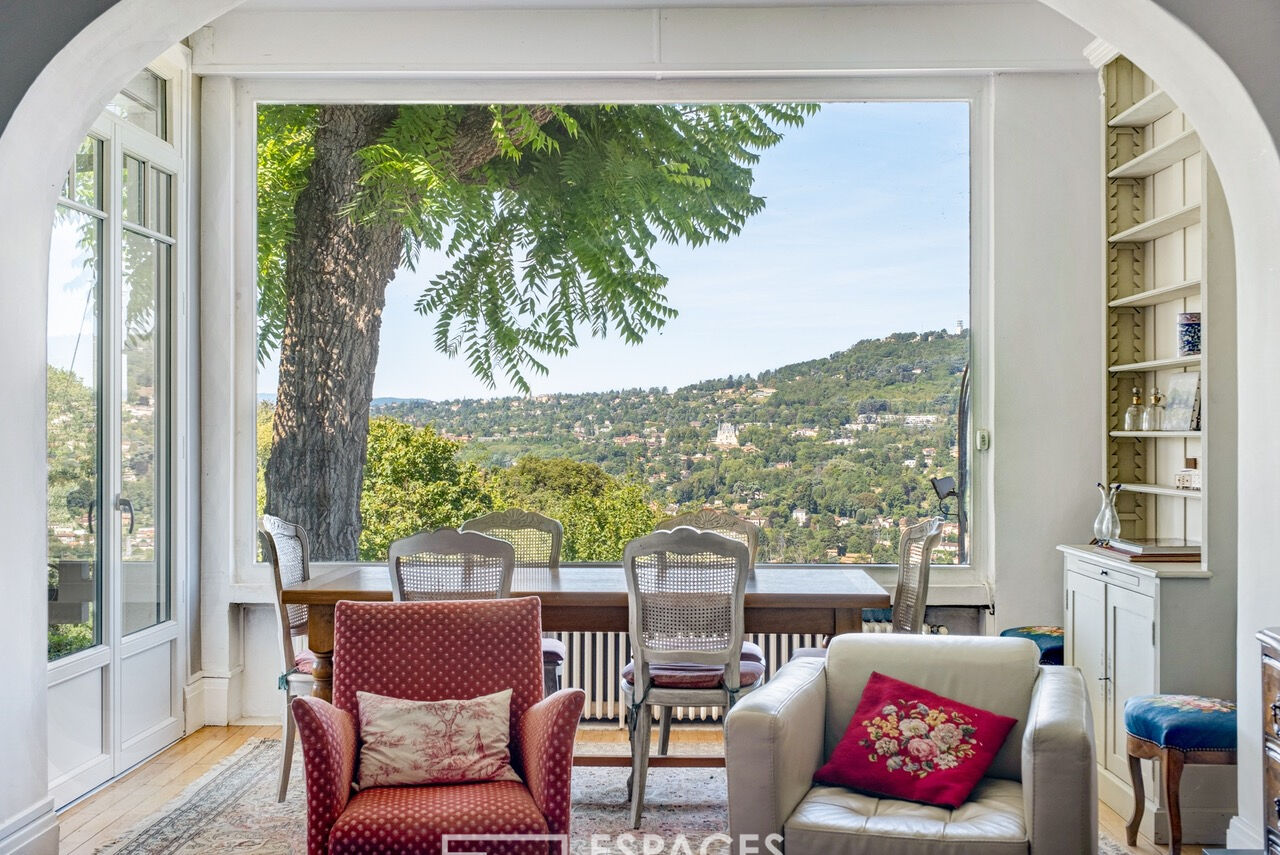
x=1139 y=800
x=1172 y=762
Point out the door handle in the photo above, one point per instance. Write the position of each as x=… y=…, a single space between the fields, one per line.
x=92 y=504
x=123 y=505
x=1275 y=716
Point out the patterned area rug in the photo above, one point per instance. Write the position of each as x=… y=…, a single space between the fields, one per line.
x=232 y=808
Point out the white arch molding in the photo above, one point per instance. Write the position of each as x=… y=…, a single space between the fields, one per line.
x=44 y=131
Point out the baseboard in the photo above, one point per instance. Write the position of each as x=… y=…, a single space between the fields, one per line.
x=1242 y=835
x=32 y=832
x=193 y=705
x=1200 y=823
x=258 y=721
x=217 y=707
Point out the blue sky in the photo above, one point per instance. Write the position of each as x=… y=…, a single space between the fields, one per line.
x=865 y=232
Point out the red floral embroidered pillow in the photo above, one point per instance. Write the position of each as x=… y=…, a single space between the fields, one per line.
x=905 y=742
x=434 y=742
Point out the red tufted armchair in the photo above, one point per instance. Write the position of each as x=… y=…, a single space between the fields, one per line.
x=431 y=651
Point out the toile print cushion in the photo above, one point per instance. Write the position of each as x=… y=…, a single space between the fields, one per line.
x=434 y=742
x=905 y=742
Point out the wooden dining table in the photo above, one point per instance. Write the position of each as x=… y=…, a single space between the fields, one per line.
x=822 y=601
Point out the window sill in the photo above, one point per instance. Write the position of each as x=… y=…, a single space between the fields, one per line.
x=948 y=585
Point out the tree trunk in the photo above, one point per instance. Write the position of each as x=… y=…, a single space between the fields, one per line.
x=336 y=278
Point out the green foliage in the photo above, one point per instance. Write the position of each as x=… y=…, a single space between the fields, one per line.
x=533 y=475
x=599 y=513
x=67 y=638
x=549 y=233
x=285 y=133
x=263 y=428
x=72 y=444
x=413 y=480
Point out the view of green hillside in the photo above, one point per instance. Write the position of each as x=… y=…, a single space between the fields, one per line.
x=831 y=457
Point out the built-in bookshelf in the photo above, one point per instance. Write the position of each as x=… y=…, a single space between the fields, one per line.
x=1136 y=628
x=1168 y=250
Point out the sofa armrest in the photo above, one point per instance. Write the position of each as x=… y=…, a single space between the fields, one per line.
x=1059 y=775
x=773 y=745
x=328 y=737
x=547 y=730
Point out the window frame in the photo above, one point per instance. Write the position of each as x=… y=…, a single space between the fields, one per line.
x=235 y=476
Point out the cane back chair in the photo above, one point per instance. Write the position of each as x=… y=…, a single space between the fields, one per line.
x=288 y=549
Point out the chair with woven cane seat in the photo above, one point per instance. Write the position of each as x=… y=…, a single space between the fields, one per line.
x=537 y=542
x=915 y=551
x=447 y=564
x=729 y=525
x=1177 y=730
x=288 y=549
x=685 y=592
x=708 y=519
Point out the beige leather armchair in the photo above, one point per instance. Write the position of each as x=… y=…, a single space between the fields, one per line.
x=1039 y=796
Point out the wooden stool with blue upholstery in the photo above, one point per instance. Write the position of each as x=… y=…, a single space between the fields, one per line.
x=1177 y=730
x=1047 y=638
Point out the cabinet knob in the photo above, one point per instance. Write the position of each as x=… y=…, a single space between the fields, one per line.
x=1275 y=716
x=1276 y=804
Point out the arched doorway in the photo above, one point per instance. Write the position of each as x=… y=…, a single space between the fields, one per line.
x=44 y=132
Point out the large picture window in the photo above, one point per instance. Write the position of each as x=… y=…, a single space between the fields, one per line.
x=792 y=350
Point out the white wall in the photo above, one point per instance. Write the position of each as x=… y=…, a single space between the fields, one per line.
x=1046 y=335
x=42 y=133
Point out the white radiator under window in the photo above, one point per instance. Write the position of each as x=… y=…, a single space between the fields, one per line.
x=595 y=661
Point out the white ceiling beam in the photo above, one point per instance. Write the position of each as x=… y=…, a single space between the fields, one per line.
x=672 y=42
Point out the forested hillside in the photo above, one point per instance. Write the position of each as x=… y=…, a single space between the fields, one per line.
x=830 y=456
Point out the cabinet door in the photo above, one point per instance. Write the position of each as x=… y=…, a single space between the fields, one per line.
x=1131 y=655
x=1085 y=642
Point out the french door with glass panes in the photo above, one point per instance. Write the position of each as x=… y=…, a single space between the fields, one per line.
x=114 y=690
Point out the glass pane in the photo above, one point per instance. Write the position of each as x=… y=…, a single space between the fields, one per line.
x=142 y=103
x=162 y=204
x=145 y=570
x=84 y=181
x=73 y=492
x=133 y=190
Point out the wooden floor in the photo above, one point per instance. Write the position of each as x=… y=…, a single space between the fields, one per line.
x=119 y=806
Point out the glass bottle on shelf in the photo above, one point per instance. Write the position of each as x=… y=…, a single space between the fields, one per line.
x=1153 y=415
x=1133 y=415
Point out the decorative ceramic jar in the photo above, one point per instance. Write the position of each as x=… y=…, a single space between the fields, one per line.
x=1189 y=334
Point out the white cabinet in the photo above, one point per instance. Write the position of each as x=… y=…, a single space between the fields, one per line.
x=1139 y=629
x=1131 y=655
x=1086 y=645
x=1111 y=639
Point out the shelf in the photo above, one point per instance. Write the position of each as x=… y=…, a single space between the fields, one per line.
x=1156 y=365
x=1155 y=296
x=1159 y=227
x=1161 y=157
x=1160 y=490
x=1145 y=112
x=1156 y=434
